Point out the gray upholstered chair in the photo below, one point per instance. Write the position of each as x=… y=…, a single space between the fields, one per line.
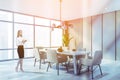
x=39 y=55
x=54 y=57
x=91 y=62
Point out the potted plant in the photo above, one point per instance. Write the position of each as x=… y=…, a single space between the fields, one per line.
x=66 y=38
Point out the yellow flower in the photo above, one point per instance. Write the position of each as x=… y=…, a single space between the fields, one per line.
x=66 y=39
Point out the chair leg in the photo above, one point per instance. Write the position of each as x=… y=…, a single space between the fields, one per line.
x=77 y=65
x=34 y=62
x=40 y=65
x=57 y=67
x=100 y=69
x=92 y=71
x=66 y=66
x=48 y=66
x=88 y=69
x=80 y=67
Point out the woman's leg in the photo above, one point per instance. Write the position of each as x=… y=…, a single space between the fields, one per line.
x=21 y=65
x=17 y=65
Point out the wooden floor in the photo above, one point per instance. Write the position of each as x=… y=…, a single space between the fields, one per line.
x=111 y=71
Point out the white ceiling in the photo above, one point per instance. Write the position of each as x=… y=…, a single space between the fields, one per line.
x=71 y=9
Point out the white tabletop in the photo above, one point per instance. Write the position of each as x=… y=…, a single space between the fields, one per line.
x=75 y=52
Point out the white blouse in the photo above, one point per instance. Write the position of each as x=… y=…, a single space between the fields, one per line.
x=19 y=41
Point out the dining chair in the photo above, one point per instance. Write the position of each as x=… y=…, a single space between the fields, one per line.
x=93 y=61
x=77 y=57
x=39 y=55
x=54 y=57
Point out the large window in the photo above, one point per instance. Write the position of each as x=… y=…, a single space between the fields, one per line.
x=46 y=37
x=27 y=31
x=23 y=18
x=42 y=36
x=41 y=21
x=57 y=23
x=37 y=31
x=6 y=54
x=6 y=16
x=56 y=37
x=6 y=35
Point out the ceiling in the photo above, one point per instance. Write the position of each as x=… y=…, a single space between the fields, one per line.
x=71 y=9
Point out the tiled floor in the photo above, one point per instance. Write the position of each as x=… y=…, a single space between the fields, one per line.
x=111 y=71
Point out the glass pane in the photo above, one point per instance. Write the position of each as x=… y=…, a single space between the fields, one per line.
x=109 y=36
x=42 y=36
x=15 y=54
x=6 y=54
x=29 y=52
x=42 y=21
x=6 y=35
x=23 y=18
x=56 y=37
x=55 y=22
x=7 y=16
x=27 y=31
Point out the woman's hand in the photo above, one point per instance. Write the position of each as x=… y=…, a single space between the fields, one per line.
x=24 y=41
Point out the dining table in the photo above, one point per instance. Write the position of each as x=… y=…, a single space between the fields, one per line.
x=74 y=54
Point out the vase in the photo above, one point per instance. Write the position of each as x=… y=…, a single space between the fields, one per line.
x=65 y=48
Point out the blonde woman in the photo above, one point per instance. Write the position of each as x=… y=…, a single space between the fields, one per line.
x=20 y=49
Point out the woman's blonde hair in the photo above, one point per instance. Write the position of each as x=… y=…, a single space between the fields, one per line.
x=18 y=33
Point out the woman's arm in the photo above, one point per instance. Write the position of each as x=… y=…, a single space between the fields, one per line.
x=23 y=41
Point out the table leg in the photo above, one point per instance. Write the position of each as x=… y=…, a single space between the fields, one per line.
x=75 y=65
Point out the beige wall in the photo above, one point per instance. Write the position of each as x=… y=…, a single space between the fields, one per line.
x=81 y=33
x=77 y=33
x=87 y=33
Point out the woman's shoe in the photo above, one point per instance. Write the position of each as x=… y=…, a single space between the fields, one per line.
x=16 y=69
x=21 y=69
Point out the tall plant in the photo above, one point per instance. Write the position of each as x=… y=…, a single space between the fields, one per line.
x=66 y=38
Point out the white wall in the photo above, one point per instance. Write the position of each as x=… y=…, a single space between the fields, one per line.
x=71 y=9
x=96 y=33
x=77 y=33
x=43 y=8
x=87 y=33
x=109 y=35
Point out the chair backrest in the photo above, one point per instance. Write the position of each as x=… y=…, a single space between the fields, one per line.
x=97 y=57
x=36 y=53
x=43 y=54
x=81 y=49
x=62 y=58
x=52 y=56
